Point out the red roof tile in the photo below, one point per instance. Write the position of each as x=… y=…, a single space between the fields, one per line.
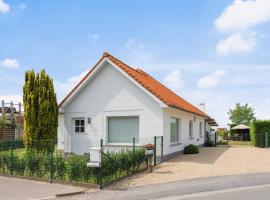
x=149 y=83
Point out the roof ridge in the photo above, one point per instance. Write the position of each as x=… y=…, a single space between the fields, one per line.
x=108 y=55
x=155 y=87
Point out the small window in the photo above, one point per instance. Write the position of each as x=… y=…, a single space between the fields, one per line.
x=200 y=129
x=190 y=129
x=79 y=125
x=174 y=130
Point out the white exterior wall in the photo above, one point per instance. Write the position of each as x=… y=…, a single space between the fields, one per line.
x=183 y=131
x=109 y=93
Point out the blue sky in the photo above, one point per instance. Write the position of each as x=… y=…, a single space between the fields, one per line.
x=212 y=51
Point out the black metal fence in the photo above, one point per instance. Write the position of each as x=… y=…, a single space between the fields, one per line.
x=42 y=161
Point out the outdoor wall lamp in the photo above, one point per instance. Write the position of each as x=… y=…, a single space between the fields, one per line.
x=89 y=120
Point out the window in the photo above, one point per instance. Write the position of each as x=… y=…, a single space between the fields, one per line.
x=123 y=129
x=174 y=130
x=79 y=125
x=200 y=129
x=190 y=129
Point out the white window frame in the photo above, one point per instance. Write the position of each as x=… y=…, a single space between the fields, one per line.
x=78 y=126
x=200 y=129
x=177 y=130
x=107 y=130
x=190 y=129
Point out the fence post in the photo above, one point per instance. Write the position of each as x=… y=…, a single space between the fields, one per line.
x=12 y=159
x=100 y=168
x=161 y=148
x=133 y=152
x=51 y=161
x=227 y=139
x=215 y=139
x=266 y=140
x=155 y=152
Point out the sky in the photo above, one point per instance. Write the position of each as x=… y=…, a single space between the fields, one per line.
x=209 y=51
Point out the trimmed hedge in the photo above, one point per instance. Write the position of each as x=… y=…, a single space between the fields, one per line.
x=191 y=149
x=258 y=129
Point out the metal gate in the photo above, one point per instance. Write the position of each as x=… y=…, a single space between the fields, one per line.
x=158 y=151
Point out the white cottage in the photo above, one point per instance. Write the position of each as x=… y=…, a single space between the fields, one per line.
x=116 y=103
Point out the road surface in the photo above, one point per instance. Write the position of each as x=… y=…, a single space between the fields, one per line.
x=249 y=186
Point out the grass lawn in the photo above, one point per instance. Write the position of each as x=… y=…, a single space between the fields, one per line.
x=19 y=152
x=235 y=142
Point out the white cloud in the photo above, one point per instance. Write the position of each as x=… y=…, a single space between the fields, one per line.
x=173 y=80
x=242 y=81
x=237 y=43
x=260 y=109
x=4 y=7
x=22 y=6
x=62 y=88
x=238 y=19
x=132 y=43
x=9 y=63
x=243 y=14
x=212 y=80
x=95 y=37
x=136 y=52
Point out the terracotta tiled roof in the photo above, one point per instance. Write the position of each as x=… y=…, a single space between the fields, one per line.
x=152 y=85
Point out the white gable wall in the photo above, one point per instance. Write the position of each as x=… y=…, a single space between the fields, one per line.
x=109 y=93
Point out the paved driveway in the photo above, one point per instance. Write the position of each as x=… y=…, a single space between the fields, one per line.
x=20 y=189
x=211 y=161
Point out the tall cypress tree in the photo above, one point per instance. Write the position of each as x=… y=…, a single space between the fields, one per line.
x=40 y=108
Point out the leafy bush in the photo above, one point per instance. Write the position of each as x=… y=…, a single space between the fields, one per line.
x=191 y=149
x=258 y=129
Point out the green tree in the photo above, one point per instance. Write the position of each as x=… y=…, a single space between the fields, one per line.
x=40 y=108
x=241 y=114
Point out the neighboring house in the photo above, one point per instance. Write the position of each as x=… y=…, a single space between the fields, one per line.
x=9 y=131
x=115 y=102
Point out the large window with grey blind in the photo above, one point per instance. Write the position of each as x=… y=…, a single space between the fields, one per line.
x=123 y=129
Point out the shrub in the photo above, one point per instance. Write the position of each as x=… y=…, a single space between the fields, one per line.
x=258 y=129
x=191 y=149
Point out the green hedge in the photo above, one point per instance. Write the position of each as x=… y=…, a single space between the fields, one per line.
x=258 y=129
x=73 y=168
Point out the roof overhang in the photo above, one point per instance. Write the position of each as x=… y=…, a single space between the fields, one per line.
x=212 y=122
x=178 y=108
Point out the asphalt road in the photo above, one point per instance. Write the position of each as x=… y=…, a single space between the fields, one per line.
x=251 y=186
